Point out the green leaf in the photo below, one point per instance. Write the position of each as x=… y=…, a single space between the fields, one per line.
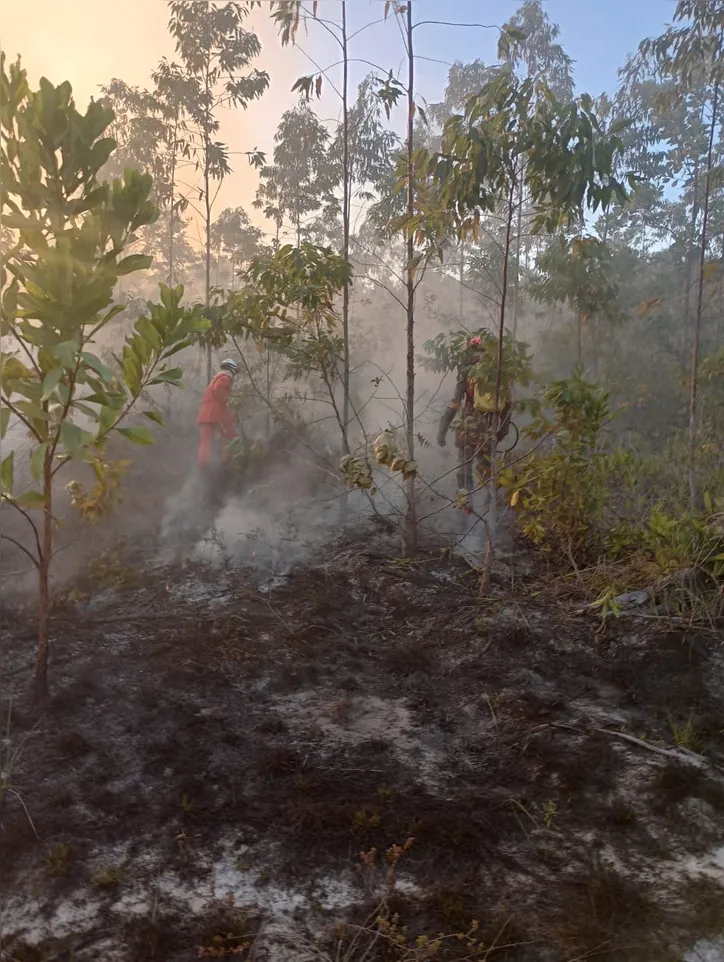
x=4 y=421
x=30 y=499
x=154 y=416
x=13 y=370
x=135 y=262
x=7 y=473
x=172 y=376
x=72 y=437
x=37 y=460
x=98 y=366
x=51 y=381
x=137 y=435
x=106 y=419
x=66 y=352
x=32 y=411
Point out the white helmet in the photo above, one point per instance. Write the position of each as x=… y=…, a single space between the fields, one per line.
x=230 y=365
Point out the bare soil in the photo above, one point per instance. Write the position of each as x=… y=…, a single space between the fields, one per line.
x=220 y=748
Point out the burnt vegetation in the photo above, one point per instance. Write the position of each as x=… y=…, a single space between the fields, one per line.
x=359 y=697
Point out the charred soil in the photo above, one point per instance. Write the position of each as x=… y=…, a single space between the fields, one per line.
x=220 y=749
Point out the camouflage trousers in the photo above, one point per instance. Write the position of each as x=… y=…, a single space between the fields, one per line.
x=474 y=461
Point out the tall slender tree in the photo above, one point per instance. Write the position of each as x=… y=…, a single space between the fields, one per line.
x=216 y=53
x=299 y=183
x=692 y=53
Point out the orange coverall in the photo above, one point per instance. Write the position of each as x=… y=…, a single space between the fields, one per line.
x=215 y=419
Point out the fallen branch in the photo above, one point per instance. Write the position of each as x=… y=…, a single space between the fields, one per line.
x=678 y=754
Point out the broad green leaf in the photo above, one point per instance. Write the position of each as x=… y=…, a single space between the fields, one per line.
x=30 y=499
x=32 y=411
x=13 y=369
x=172 y=376
x=72 y=437
x=137 y=435
x=132 y=373
x=37 y=460
x=106 y=419
x=98 y=366
x=7 y=473
x=135 y=262
x=85 y=409
x=175 y=349
x=50 y=383
x=67 y=353
x=154 y=416
x=4 y=421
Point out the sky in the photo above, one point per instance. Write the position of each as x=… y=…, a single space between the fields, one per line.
x=89 y=42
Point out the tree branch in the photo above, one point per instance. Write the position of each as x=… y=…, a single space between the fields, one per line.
x=21 y=547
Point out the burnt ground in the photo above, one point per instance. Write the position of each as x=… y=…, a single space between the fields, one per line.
x=218 y=752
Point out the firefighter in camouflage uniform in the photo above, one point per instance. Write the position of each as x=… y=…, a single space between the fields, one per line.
x=474 y=430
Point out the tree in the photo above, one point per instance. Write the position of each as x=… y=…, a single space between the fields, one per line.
x=149 y=128
x=175 y=92
x=71 y=234
x=358 y=155
x=694 y=54
x=299 y=183
x=214 y=48
x=234 y=236
x=529 y=43
x=579 y=273
x=515 y=129
x=289 y=304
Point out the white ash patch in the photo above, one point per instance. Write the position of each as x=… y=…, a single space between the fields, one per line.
x=193 y=592
x=145 y=892
x=351 y=719
x=706 y=951
x=34 y=920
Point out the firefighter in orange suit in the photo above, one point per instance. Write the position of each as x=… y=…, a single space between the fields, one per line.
x=215 y=420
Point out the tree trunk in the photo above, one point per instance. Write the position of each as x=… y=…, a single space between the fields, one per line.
x=690 y=264
x=345 y=232
x=207 y=205
x=594 y=349
x=207 y=198
x=693 y=485
x=172 y=218
x=518 y=243
x=268 y=393
x=410 y=528
x=40 y=682
x=493 y=498
x=461 y=307
x=579 y=345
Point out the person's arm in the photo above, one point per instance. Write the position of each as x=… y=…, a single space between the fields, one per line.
x=451 y=410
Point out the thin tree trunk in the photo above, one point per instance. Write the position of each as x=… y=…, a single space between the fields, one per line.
x=207 y=205
x=518 y=243
x=172 y=218
x=594 y=349
x=693 y=485
x=268 y=394
x=207 y=198
x=345 y=233
x=40 y=684
x=493 y=498
x=410 y=530
x=461 y=307
x=690 y=263
x=579 y=346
